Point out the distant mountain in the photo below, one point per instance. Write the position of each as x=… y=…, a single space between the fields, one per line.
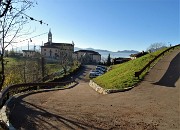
x=92 y=49
x=99 y=50
x=77 y=48
x=128 y=51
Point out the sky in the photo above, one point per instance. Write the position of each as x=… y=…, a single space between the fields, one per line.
x=107 y=24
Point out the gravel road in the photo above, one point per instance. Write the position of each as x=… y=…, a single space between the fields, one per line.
x=153 y=105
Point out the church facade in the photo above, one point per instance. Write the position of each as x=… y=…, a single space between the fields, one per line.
x=61 y=52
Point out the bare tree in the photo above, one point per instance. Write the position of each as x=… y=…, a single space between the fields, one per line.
x=65 y=63
x=23 y=71
x=12 y=20
x=156 y=46
x=6 y=5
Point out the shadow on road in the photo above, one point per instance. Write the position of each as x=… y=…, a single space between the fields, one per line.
x=172 y=74
x=30 y=114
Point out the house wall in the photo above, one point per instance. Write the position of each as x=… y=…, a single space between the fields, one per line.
x=75 y=56
x=92 y=57
x=97 y=58
x=133 y=58
x=80 y=55
x=62 y=52
x=49 y=52
x=29 y=54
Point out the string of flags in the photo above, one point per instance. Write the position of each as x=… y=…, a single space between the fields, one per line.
x=8 y=6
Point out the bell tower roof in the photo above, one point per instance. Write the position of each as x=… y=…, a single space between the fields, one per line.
x=50 y=36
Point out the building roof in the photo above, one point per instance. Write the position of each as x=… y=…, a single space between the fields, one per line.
x=48 y=46
x=88 y=51
x=57 y=44
x=28 y=51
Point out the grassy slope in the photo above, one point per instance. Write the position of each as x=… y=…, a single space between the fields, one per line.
x=122 y=75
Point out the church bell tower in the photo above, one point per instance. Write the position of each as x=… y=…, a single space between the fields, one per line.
x=50 y=37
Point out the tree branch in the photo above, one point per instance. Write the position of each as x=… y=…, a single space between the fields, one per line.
x=6 y=8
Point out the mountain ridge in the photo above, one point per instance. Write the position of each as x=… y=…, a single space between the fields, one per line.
x=100 y=50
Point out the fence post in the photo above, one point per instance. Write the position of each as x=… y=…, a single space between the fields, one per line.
x=137 y=74
x=7 y=96
x=42 y=67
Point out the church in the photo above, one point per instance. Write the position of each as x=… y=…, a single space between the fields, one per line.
x=61 y=52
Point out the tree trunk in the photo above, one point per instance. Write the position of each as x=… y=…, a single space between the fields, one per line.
x=2 y=72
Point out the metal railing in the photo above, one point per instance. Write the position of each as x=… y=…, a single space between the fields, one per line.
x=138 y=73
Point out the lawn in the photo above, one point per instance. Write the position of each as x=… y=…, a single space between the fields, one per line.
x=122 y=76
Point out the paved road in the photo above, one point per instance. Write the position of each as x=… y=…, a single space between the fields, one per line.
x=153 y=104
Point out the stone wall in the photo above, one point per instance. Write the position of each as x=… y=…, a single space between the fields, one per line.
x=101 y=90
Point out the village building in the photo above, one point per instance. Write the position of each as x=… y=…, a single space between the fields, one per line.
x=29 y=53
x=61 y=52
x=87 y=56
x=135 y=56
x=120 y=60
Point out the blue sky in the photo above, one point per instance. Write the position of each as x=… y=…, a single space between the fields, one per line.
x=108 y=24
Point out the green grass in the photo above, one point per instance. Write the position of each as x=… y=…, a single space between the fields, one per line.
x=53 y=67
x=122 y=76
x=11 y=61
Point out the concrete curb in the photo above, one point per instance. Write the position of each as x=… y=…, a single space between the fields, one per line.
x=101 y=90
x=4 y=111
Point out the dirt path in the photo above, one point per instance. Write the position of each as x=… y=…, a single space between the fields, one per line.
x=154 y=104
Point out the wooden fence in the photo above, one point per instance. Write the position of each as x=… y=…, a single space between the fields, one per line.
x=9 y=91
x=18 y=88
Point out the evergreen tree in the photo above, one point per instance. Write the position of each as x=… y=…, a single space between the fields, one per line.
x=109 y=60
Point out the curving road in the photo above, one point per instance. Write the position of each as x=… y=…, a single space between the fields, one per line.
x=153 y=104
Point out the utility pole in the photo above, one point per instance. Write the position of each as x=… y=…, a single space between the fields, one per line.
x=34 y=47
x=28 y=45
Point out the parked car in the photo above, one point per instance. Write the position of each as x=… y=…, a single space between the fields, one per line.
x=96 y=71
x=93 y=74
x=101 y=69
x=100 y=66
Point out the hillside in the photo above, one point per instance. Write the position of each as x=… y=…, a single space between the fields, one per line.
x=122 y=75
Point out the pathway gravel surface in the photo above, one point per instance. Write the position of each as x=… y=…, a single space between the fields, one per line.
x=153 y=104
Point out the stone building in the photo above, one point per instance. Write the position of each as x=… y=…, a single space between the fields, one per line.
x=29 y=53
x=61 y=52
x=87 y=56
